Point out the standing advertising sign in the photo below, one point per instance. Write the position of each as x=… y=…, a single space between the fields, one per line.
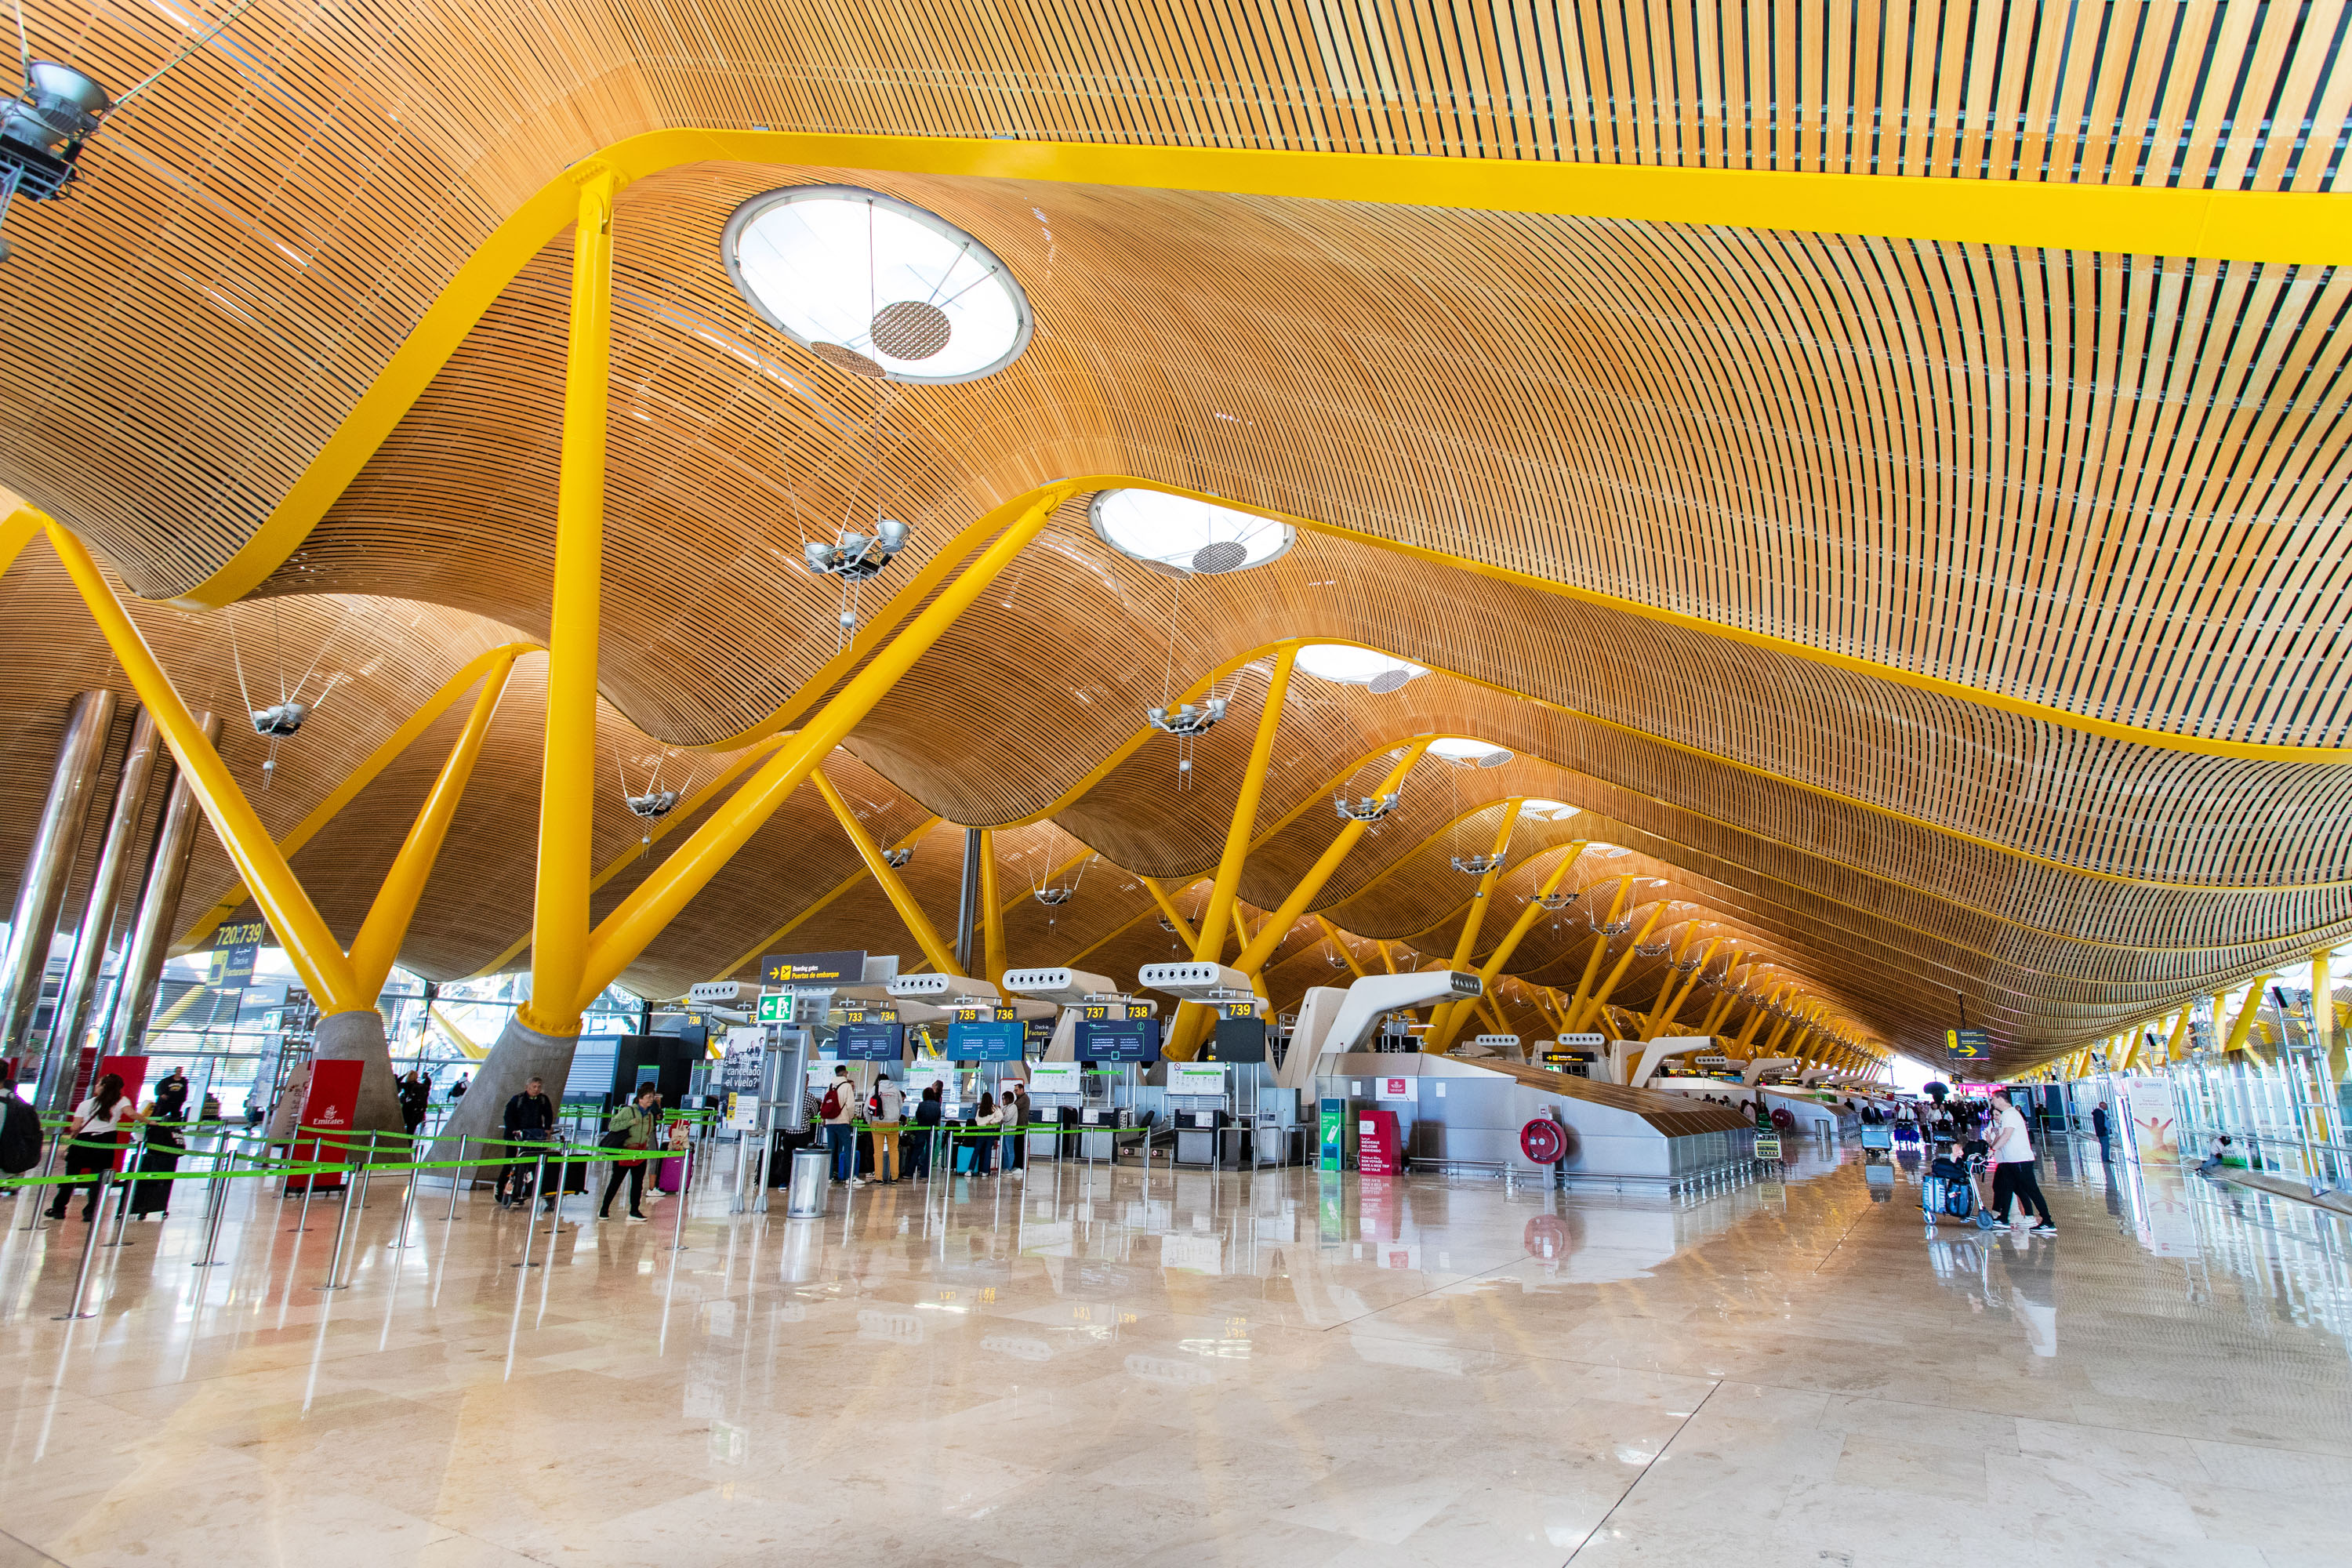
x=329 y=1111
x=2154 y=1116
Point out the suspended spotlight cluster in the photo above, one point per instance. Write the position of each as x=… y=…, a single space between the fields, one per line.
x=652 y=805
x=1476 y=865
x=896 y=858
x=42 y=131
x=1653 y=949
x=856 y=557
x=280 y=721
x=1053 y=897
x=1187 y=722
x=1613 y=928
x=1367 y=809
x=1557 y=902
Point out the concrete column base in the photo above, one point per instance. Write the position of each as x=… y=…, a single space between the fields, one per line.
x=350 y=1037
x=521 y=1054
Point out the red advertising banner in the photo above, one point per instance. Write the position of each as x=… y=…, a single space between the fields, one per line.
x=134 y=1077
x=1380 y=1152
x=331 y=1107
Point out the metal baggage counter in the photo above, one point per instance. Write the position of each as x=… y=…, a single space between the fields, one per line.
x=1465 y=1116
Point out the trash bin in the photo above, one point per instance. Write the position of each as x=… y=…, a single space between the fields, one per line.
x=804 y=1198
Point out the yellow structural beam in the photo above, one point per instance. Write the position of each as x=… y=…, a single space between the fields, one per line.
x=317 y=957
x=567 y=786
x=1756 y=1016
x=1665 y=1017
x=358 y=778
x=1211 y=942
x=669 y=886
x=1488 y=972
x=2246 y=1013
x=1444 y=1018
x=1174 y=917
x=1254 y=956
x=894 y=887
x=767 y=944
x=1575 y=1009
x=991 y=912
x=1597 y=1008
x=381 y=934
x=1346 y=956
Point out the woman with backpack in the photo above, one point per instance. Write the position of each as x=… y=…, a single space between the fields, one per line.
x=984 y=1148
x=91 y=1144
x=632 y=1126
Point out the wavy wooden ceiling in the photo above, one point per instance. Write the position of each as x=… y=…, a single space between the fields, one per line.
x=2109 y=484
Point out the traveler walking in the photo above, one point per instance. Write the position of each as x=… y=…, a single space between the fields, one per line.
x=889 y=1099
x=415 y=1094
x=159 y=1156
x=92 y=1147
x=2099 y=1130
x=634 y=1126
x=529 y=1118
x=840 y=1108
x=2014 y=1168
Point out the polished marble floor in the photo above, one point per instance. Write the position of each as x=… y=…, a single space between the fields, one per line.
x=1091 y=1367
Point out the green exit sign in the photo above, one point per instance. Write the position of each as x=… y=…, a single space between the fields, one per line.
x=776 y=1007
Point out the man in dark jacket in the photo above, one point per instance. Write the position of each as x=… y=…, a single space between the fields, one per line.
x=2099 y=1130
x=918 y=1146
x=530 y=1118
x=171 y=1096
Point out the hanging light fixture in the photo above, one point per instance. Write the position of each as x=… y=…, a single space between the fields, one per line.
x=1367 y=809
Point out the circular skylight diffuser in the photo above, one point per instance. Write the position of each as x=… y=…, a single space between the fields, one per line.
x=1478 y=753
x=876 y=287
x=1187 y=536
x=1378 y=672
x=1548 y=810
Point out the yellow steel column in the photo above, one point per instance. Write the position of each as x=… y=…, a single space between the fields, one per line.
x=2172 y=1042
x=1449 y=1019
x=2245 y=1022
x=1332 y=931
x=567 y=785
x=1575 y=1009
x=1661 y=1023
x=1211 y=945
x=1269 y=935
x=940 y=956
x=1185 y=933
x=1387 y=957
x=992 y=911
x=2323 y=1012
x=386 y=926
x=1592 y=1009
x=293 y=919
x=1443 y=1019
x=1756 y=1014
x=671 y=885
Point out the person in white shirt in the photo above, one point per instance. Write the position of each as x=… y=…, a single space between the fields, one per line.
x=92 y=1145
x=2014 y=1174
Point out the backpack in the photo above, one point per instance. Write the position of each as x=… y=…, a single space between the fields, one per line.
x=20 y=1135
x=831 y=1106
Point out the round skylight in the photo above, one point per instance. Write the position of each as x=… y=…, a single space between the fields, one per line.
x=1180 y=534
x=1548 y=810
x=1470 y=754
x=874 y=286
x=1351 y=666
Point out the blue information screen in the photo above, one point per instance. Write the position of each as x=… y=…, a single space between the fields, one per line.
x=871 y=1042
x=984 y=1040
x=1118 y=1040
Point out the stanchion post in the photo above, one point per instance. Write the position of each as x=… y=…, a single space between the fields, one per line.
x=89 y=1250
x=215 y=1212
x=684 y=1189
x=456 y=1177
x=530 y=1231
x=342 y=1230
x=407 y=1201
